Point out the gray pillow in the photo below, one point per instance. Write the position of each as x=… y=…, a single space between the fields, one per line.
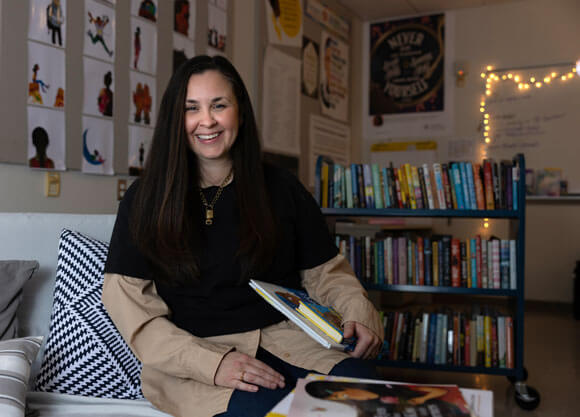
x=13 y=276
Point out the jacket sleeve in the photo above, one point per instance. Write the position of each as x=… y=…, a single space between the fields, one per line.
x=334 y=283
x=142 y=318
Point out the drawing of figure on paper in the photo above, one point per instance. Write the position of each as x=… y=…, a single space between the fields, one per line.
x=59 y=99
x=100 y=23
x=105 y=99
x=93 y=158
x=136 y=46
x=40 y=142
x=36 y=87
x=147 y=9
x=54 y=20
x=142 y=100
x=181 y=22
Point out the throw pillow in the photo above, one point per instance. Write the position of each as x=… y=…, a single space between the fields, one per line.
x=16 y=355
x=85 y=354
x=13 y=276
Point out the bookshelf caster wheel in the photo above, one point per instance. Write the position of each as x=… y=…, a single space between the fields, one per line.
x=513 y=379
x=526 y=397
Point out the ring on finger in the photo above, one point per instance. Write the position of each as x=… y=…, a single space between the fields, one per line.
x=243 y=375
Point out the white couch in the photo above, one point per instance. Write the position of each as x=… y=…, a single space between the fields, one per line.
x=35 y=236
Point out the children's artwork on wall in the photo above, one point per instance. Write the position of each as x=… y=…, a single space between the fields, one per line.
x=99 y=88
x=46 y=75
x=46 y=139
x=97 y=152
x=139 y=143
x=217 y=22
x=47 y=22
x=334 y=67
x=143 y=46
x=146 y=9
x=143 y=99
x=284 y=20
x=184 y=17
x=309 y=68
x=99 y=31
x=183 y=49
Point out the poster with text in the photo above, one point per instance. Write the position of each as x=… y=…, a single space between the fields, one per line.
x=406 y=69
x=46 y=139
x=183 y=49
x=98 y=139
x=217 y=21
x=99 y=88
x=46 y=75
x=48 y=22
x=143 y=46
x=146 y=9
x=99 y=31
x=284 y=20
x=334 y=67
x=309 y=68
x=281 y=103
x=184 y=17
x=143 y=99
x=139 y=144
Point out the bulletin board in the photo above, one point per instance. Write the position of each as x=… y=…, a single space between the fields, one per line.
x=541 y=120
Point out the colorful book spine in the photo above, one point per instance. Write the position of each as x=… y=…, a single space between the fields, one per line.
x=484 y=270
x=389 y=258
x=439 y=186
x=354 y=186
x=465 y=185
x=515 y=182
x=509 y=342
x=410 y=185
x=479 y=194
x=470 y=185
x=428 y=262
x=473 y=262
x=386 y=188
x=420 y=261
x=361 y=186
x=368 y=184
x=513 y=263
x=505 y=264
x=501 y=345
x=488 y=185
x=435 y=281
x=458 y=187
x=487 y=338
x=376 y=179
x=348 y=185
x=455 y=263
x=495 y=256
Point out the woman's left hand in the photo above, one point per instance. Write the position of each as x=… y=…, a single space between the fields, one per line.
x=368 y=344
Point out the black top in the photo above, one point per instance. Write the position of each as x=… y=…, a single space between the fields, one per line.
x=219 y=304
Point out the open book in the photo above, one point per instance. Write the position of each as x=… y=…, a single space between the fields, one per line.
x=321 y=323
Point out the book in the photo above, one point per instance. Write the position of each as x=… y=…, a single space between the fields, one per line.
x=324 y=395
x=289 y=301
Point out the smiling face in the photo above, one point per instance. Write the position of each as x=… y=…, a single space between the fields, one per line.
x=211 y=117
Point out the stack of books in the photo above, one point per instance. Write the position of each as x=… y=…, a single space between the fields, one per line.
x=460 y=185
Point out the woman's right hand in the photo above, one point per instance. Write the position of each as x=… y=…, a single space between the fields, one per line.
x=243 y=372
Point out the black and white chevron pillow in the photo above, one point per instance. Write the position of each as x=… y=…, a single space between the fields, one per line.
x=85 y=354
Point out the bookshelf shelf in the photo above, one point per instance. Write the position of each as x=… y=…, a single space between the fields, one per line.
x=449 y=368
x=518 y=373
x=442 y=290
x=492 y=214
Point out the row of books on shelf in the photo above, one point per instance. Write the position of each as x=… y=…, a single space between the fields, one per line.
x=458 y=185
x=483 y=338
x=439 y=260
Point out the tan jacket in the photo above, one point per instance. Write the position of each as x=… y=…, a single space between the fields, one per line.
x=179 y=368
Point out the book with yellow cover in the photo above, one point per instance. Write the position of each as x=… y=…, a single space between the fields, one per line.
x=320 y=322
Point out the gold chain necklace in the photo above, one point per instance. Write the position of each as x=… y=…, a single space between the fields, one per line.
x=209 y=206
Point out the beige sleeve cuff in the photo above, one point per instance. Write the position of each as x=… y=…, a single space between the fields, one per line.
x=334 y=283
x=141 y=316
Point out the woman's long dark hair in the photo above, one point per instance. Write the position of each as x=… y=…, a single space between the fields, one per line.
x=166 y=213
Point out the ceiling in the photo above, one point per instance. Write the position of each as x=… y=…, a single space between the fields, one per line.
x=369 y=10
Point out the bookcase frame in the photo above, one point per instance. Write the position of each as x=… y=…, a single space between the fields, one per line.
x=517 y=228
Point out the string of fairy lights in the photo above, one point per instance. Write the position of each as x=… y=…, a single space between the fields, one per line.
x=493 y=78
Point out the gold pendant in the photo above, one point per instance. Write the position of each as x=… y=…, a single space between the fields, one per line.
x=208 y=216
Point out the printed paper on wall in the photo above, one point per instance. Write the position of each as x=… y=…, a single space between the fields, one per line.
x=143 y=99
x=184 y=17
x=285 y=22
x=48 y=22
x=139 y=144
x=99 y=88
x=143 y=46
x=183 y=49
x=334 y=67
x=97 y=152
x=99 y=31
x=46 y=75
x=217 y=22
x=46 y=138
x=146 y=9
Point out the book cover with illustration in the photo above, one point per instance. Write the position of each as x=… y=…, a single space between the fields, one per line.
x=322 y=395
x=320 y=322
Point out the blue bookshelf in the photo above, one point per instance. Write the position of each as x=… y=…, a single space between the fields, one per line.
x=516 y=297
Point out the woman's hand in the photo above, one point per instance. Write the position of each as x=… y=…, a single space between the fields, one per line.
x=243 y=372
x=368 y=344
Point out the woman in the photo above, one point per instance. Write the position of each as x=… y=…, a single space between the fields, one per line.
x=205 y=216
